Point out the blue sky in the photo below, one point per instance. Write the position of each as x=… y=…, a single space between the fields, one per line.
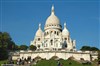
x=20 y=18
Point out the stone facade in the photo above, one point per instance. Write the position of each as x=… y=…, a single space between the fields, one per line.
x=53 y=37
x=49 y=54
x=87 y=55
x=54 y=41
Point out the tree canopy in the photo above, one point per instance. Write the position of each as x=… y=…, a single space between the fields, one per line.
x=88 y=48
x=23 y=47
x=32 y=47
x=99 y=57
x=6 y=45
x=6 y=41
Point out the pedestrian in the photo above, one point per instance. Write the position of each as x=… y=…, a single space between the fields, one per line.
x=61 y=65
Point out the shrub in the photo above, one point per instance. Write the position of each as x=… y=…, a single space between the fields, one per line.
x=54 y=57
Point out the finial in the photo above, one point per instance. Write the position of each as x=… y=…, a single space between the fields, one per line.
x=39 y=25
x=65 y=25
x=52 y=10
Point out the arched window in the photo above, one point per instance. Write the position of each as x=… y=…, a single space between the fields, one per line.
x=51 y=42
x=55 y=32
x=47 y=33
x=65 y=38
x=38 y=39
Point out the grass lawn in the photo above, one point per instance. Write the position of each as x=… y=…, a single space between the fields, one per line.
x=3 y=61
x=63 y=62
x=54 y=63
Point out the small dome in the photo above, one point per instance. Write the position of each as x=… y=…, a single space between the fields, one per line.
x=52 y=19
x=39 y=31
x=65 y=32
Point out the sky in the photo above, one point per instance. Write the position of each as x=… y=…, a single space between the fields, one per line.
x=20 y=18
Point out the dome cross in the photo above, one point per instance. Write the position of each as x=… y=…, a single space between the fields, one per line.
x=52 y=9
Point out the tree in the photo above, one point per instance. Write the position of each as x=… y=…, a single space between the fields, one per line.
x=6 y=41
x=23 y=47
x=3 y=54
x=88 y=48
x=6 y=44
x=32 y=47
x=11 y=45
x=16 y=47
x=4 y=38
x=99 y=57
x=94 y=49
x=85 y=48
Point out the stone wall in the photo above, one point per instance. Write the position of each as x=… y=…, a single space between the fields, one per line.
x=49 y=54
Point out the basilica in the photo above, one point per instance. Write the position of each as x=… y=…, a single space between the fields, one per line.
x=53 y=37
x=54 y=41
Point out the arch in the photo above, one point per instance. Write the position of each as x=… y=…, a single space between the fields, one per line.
x=38 y=39
x=47 y=32
x=65 y=38
x=54 y=32
x=51 y=42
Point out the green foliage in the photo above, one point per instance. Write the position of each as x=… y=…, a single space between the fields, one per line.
x=6 y=41
x=6 y=44
x=3 y=54
x=32 y=47
x=88 y=48
x=99 y=56
x=54 y=57
x=94 y=49
x=3 y=61
x=85 y=48
x=63 y=62
x=23 y=47
x=16 y=47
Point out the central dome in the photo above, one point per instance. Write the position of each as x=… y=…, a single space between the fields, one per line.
x=52 y=19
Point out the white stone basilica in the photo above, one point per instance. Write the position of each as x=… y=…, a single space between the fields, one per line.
x=53 y=37
x=54 y=42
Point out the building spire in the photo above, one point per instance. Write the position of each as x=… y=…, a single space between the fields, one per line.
x=39 y=25
x=52 y=9
x=65 y=25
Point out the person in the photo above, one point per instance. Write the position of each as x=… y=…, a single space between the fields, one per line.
x=58 y=63
x=18 y=61
x=61 y=65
